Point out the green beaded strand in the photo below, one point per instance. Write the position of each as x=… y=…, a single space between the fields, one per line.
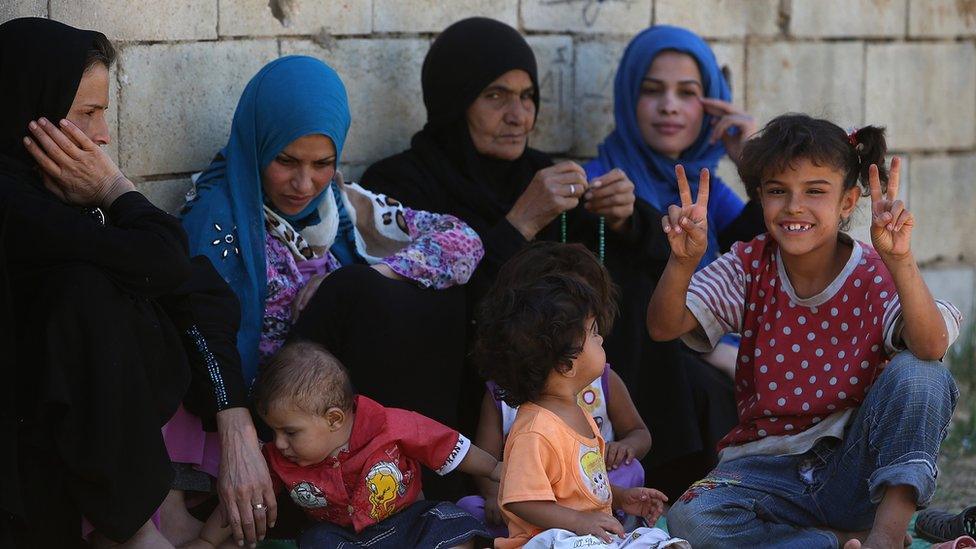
x=601 y=235
x=602 y=238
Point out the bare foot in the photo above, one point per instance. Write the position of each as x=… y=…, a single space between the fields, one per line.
x=175 y=522
x=855 y=543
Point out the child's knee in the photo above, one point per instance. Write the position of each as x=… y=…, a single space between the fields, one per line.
x=917 y=383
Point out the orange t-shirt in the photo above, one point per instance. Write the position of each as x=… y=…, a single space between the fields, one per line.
x=547 y=460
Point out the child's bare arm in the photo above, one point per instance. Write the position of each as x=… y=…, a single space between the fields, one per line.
x=549 y=514
x=633 y=437
x=490 y=439
x=480 y=463
x=687 y=230
x=924 y=332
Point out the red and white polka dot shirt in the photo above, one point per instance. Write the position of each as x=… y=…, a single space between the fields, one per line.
x=801 y=359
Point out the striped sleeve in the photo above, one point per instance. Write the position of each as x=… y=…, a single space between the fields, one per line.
x=716 y=296
x=894 y=324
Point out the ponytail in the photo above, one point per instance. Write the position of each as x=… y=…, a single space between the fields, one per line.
x=870 y=148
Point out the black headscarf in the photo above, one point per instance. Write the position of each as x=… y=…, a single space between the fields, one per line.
x=92 y=363
x=467 y=57
x=53 y=54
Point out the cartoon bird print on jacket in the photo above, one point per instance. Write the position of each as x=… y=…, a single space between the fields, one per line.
x=385 y=483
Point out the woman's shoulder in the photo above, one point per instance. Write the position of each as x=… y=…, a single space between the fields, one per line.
x=402 y=165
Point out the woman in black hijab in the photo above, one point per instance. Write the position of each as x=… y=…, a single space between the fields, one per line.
x=471 y=160
x=93 y=299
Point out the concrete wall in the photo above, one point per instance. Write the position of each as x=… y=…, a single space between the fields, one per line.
x=907 y=64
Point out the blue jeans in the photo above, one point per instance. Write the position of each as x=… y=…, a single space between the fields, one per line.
x=786 y=501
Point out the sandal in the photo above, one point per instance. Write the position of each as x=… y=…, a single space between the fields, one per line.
x=937 y=525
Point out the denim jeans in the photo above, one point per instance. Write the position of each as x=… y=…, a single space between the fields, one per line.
x=787 y=501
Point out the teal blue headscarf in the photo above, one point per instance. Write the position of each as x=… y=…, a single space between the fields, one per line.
x=289 y=98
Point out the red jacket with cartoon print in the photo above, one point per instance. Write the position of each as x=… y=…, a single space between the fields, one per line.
x=378 y=473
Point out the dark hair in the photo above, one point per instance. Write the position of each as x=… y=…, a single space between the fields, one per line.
x=306 y=376
x=101 y=52
x=533 y=319
x=792 y=136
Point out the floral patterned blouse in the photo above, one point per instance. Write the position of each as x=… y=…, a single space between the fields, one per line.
x=442 y=252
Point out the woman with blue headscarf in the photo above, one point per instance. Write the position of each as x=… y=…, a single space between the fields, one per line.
x=275 y=218
x=672 y=105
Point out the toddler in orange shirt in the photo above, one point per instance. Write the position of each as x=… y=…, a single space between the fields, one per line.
x=540 y=341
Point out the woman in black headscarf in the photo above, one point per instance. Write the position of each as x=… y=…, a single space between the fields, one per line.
x=471 y=160
x=93 y=300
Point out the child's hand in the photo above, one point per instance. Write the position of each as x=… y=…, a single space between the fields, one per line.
x=496 y=473
x=643 y=502
x=597 y=524
x=619 y=453
x=687 y=225
x=891 y=223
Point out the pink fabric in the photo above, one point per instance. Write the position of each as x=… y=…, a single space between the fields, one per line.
x=187 y=442
x=315 y=267
x=962 y=542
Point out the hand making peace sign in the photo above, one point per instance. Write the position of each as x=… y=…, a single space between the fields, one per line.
x=891 y=223
x=687 y=225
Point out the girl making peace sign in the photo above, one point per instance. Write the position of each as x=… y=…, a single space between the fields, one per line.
x=842 y=402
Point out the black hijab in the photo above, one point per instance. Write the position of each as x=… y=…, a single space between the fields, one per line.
x=467 y=57
x=92 y=364
x=54 y=55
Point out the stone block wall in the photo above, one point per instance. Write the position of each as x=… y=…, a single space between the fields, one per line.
x=909 y=65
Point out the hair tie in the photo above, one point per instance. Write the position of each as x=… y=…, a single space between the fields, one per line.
x=852 y=139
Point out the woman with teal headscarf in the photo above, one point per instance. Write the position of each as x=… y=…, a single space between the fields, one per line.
x=275 y=218
x=672 y=105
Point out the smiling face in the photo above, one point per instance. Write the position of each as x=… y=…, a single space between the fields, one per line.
x=306 y=439
x=91 y=101
x=670 y=111
x=299 y=173
x=804 y=204
x=502 y=116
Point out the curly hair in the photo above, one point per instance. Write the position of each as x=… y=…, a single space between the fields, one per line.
x=304 y=375
x=792 y=136
x=533 y=319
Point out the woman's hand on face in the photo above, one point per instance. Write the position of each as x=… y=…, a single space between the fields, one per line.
x=891 y=222
x=612 y=196
x=687 y=225
x=729 y=116
x=78 y=170
x=551 y=192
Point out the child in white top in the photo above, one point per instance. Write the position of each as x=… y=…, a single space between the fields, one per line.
x=842 y=405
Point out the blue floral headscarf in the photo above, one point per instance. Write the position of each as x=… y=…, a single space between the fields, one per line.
x=289 y=98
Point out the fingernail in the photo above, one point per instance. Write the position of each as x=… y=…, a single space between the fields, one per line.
x=64 y=123
x=597 y=183
x=44 y=121
x=27 y=141
x=32 y=125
